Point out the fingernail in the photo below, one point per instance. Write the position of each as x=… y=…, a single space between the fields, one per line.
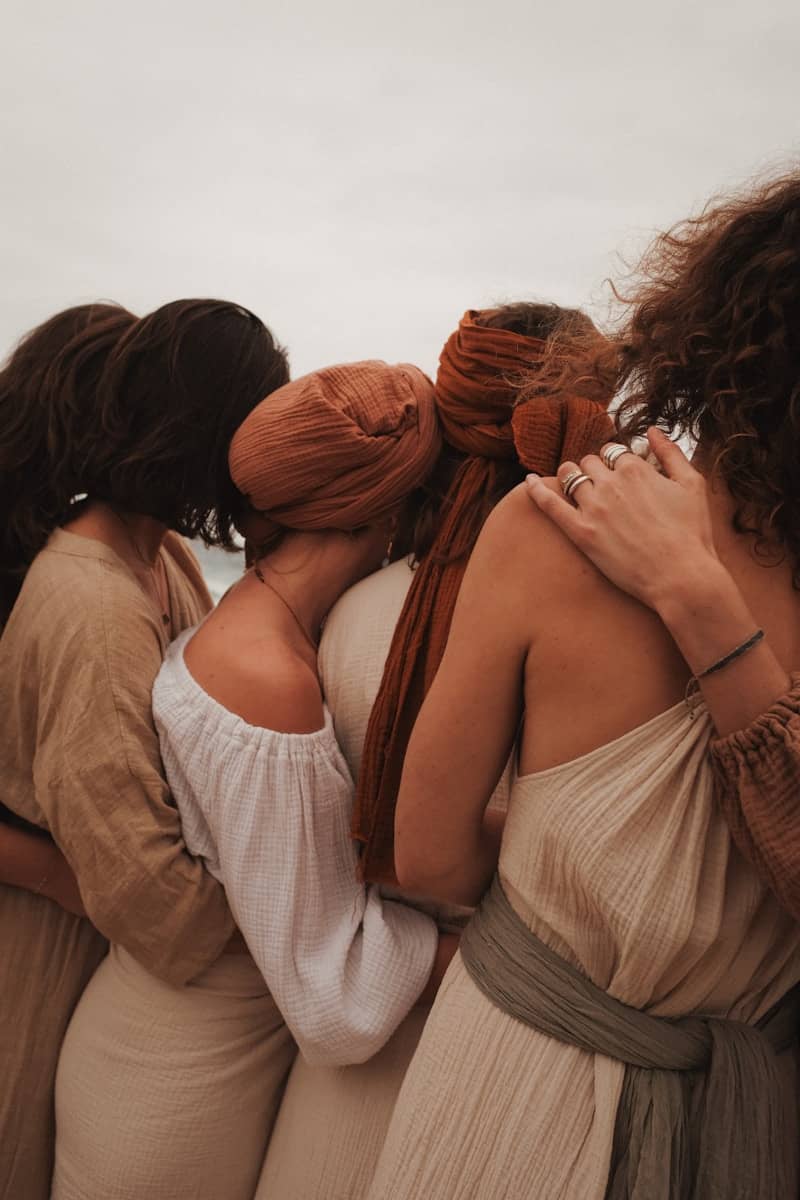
x=532 y=478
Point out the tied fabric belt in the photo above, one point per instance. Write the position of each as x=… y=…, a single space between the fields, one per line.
x=703 y=1113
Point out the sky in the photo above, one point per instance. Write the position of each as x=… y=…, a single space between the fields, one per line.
x=360 y=173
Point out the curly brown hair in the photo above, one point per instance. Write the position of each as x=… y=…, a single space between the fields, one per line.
x=711 y=348
x=138 y=413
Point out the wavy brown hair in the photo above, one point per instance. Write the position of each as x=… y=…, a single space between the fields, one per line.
x=41 y=388
x=138 y=413
x=710 y=347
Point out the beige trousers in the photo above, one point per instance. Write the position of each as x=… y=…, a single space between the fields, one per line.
x=167 y=1092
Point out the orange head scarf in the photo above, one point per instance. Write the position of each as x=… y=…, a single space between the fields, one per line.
x=480 y=370
x=338 y=448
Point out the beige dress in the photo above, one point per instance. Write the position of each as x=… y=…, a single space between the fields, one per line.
x=333 y=1120
x=79 y=757
x=621 y=862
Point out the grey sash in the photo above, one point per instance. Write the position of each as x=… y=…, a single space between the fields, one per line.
x=703 y=1111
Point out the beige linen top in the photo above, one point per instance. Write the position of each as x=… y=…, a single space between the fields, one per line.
x=80 y=757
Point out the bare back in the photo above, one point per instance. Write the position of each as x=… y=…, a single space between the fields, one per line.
x=599 y=663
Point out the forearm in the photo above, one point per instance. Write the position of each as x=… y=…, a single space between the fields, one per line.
x=707 y=617
x=26 y=860
x=33 y=862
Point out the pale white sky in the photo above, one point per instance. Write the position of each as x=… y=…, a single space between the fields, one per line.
x=360 y=173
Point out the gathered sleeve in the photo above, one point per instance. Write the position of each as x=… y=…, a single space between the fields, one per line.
x=100 y=787
x=271 y=812
x=757 y=777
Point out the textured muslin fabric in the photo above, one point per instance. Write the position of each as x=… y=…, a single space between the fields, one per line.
x=79 y=757
x=338 y=448
x=477 y=388
x=757 y=773
x=621 y=863
x=269 y=813
x=166 y=1092
x=332 y=1121
x=686 y=1122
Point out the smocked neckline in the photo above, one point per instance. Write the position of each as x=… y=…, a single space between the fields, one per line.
x=231 y=721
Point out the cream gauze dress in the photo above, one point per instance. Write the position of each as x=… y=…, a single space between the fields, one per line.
x=333 y=1120
x=621 y=862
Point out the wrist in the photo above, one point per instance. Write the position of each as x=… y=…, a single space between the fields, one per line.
x=701 y=589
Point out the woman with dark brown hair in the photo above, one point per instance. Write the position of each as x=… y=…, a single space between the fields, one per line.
x=113 y=443
x=625 y=990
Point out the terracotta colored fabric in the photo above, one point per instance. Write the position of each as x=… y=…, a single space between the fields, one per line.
x=338 y=448
x=480 y=370
x=757 y=778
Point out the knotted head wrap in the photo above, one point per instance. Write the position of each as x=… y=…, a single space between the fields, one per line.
x=338 y=448
x=480 y=372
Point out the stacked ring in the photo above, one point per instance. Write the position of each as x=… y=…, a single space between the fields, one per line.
x=612 y=453
x=572 y=482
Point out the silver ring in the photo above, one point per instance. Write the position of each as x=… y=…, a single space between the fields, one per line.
x=611 y=454
x=573 y=482
x=568 y=479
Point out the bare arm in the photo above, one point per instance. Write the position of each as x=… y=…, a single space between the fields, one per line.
x=446 y=844
x=36 y=864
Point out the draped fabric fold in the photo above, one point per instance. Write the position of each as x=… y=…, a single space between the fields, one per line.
x=480 y=373
x=701 y=1115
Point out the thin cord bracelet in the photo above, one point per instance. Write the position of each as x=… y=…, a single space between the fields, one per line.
x=693 y=686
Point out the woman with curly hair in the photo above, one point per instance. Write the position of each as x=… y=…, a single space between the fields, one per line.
x=619 y=1020
x=113 y=443
x=650 y=532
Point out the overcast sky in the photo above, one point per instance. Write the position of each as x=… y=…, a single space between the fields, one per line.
x=359 y=173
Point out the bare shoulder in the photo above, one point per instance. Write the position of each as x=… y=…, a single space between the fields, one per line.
x=267 y=684
x=519 y=543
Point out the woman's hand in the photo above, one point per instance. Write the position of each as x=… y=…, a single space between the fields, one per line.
x=649 y=533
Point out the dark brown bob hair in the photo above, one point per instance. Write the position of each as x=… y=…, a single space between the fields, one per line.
x=138 y=413
x=710 y=347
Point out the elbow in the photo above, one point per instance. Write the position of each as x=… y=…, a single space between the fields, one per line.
x=332 y=1048
x=413 y=868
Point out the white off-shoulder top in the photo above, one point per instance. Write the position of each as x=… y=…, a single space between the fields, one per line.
x=270 y=815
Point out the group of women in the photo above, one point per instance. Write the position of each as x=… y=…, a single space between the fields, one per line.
x=456 y=854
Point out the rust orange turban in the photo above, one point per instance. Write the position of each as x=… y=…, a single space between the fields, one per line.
x=480 y=371
x=338 y=448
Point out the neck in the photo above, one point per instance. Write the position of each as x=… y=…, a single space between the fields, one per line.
x=311 y=571
x=127 y=533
